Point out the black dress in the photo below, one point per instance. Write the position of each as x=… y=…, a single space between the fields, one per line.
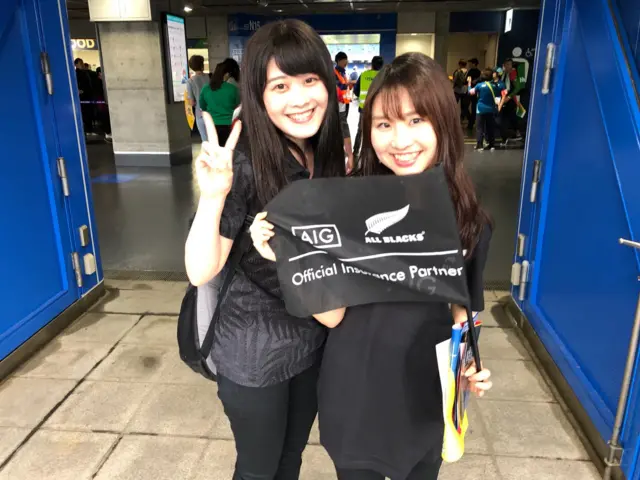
x=380 y=401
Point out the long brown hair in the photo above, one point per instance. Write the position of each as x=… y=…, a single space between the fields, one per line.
x=430 y=90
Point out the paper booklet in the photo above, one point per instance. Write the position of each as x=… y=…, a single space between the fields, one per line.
x=455 y=356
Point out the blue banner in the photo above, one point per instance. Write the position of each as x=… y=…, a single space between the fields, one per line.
x=241 y=26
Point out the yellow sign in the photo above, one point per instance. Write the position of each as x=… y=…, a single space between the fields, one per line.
x=83 y=44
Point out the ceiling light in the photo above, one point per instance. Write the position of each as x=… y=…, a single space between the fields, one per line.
x=278 y=10
x=188 y=9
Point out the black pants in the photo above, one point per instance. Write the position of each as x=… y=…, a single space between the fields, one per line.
x=486 y=130
x=86 y=109
x=464 y=101
x=223 y=132
x=104 y=118
x=472 y=113
x=271 y=425
x=423 y=471
x=508 y=120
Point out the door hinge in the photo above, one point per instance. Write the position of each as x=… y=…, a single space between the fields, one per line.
x=516 y=270
x=62 y=173
x=524 y=279
x=46 y=71
x=548 y=68
x=75 y=259
x=533 y=194
x=522 y=239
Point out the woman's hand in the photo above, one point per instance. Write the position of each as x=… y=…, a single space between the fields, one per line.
x=214 y=165
x=480 y=382
x=261 y=233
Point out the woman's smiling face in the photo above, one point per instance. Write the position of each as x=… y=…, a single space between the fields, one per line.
x=405 y=145
x=295 y=104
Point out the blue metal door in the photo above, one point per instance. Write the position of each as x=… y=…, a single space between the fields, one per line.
x=582 y=287
x=37 y=279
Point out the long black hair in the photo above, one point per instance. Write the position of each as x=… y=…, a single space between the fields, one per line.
x=217 y=78
x=232 y=68
x=430 y=90
x=297 y=50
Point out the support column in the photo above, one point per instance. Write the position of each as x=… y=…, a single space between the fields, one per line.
x=218 y=39
x=147 y=130
x=442 y=38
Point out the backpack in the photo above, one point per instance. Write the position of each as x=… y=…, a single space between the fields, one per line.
x=460 y=82
x=200 y=311
x=459 y=78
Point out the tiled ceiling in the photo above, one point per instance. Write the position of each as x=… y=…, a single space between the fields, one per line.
x=79 y=9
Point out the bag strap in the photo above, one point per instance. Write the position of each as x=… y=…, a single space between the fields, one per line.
x=244 y=242
x=491 y=88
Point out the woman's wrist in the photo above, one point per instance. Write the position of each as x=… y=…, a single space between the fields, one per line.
x=211 y=206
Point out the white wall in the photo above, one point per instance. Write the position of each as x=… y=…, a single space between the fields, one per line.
x=415 y=42
x=416 y=22
x=416 y=33
x=464 y=46
x=492 y=51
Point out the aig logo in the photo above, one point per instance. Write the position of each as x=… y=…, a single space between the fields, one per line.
x=320 y=236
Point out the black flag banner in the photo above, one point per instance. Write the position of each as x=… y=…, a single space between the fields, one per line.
x=352 y=241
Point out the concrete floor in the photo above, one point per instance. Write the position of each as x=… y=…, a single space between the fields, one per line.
x=110 y=399
x=142 y=218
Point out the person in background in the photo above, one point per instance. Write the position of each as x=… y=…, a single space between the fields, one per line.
x=460 y=87
x=102 y=107
x=354 y=75
x=486 y=91
x=379 y=394
x=474 y=75
x=220 y=98
x=194 y=87
x=85 y=89
x=342 y=86
x=267 y=360
x=233 y=71
x=360 y=91
x=507 y=116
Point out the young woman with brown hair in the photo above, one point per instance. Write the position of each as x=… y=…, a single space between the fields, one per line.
x=380 y=400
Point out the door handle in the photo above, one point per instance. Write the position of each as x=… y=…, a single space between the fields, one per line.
x=548 y=67
x=629 y=243
x=533 y=193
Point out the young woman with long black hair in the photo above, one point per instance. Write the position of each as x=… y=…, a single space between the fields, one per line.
x=380 y=400
x=219 y=99
x=268 y=361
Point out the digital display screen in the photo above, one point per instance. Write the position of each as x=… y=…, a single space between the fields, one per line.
x=177 y=56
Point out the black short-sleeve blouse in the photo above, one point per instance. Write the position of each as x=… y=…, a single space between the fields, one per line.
x=257 y=343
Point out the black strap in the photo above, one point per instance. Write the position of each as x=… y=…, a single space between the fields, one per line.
x=241 y=247
x=473 y=339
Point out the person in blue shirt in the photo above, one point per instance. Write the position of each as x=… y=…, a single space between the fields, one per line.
x=487 y=90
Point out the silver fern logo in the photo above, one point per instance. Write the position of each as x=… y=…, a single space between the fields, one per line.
x=382 y=221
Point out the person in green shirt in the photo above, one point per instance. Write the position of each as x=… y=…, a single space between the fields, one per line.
x=220 y=98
